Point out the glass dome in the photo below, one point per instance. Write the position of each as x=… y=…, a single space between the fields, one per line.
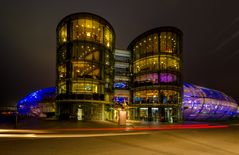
x=200 y=103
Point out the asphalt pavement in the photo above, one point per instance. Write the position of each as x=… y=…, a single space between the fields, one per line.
x=222 y=141
x=48 y=137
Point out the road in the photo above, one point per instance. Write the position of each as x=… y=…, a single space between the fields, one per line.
x=222 y=141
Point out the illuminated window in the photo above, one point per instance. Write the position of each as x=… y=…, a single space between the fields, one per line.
x=146 y=96
x=168 y=97
x=82 y=87
x=168 y=42
x=83 y=69
x=121 y=96
x=86 y=29
x=108 y=37
x=167 y=77
x=62 y=88
x=146 y=79
x=63 y=34
x=61 y=55
x=121 y=99
x=146 y=64
x=146 y=47
x=62 y=72
x=169 y=63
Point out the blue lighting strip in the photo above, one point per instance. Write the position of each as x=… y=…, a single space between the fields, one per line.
x=120 y=85
x=199 y=103
x=30 y=101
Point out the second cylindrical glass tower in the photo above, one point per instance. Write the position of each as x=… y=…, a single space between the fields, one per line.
x=157 y=73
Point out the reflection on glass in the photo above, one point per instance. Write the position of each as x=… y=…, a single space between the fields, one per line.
x=62 y=71
x=62 y=87
x=63 y=34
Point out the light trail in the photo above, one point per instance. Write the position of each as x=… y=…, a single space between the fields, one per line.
x=17 y=135
x=162 y=127
x=69 y=135
x=23 y=131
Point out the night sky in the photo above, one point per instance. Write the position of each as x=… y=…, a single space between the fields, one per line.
x=28 y=38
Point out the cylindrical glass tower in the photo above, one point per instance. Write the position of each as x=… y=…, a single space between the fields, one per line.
x=84 y=68
x=157 y=74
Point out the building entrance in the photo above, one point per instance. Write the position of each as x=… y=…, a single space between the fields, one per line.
x=160 y=114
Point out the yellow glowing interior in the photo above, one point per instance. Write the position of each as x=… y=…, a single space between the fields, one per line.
x=152 y=63
x=63 y=34
x=81 y=69
x=85 y=87
x=168 y=42
x=62 y=71
x=92 y=30
x=146 y=46
x=164 y=96
x=62 y=87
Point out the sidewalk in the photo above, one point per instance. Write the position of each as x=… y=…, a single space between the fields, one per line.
x=56 y=124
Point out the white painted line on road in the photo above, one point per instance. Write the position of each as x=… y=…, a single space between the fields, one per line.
x=69 y=135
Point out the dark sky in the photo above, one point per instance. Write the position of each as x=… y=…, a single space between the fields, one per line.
x=28 y=44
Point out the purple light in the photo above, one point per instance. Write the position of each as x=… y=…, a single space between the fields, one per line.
x=200 y=103
x=208 y=104
x=167 y=77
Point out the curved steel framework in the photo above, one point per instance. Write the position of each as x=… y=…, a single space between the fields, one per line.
x=157 y=68
x=201 y=103
x=29 y=105
x=85 y=56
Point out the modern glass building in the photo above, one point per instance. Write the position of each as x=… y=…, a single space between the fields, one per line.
x=122 y=79
x=157 y=74
x=199 y=104
x=122 y=82
x=85 y=66
x=95 y=81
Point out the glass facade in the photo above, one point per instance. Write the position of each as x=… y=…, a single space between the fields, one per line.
x=122 y=77
x=85 y=60
x=157 y=71
x=38 y=103
x=95 y=81
x=201 y=103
